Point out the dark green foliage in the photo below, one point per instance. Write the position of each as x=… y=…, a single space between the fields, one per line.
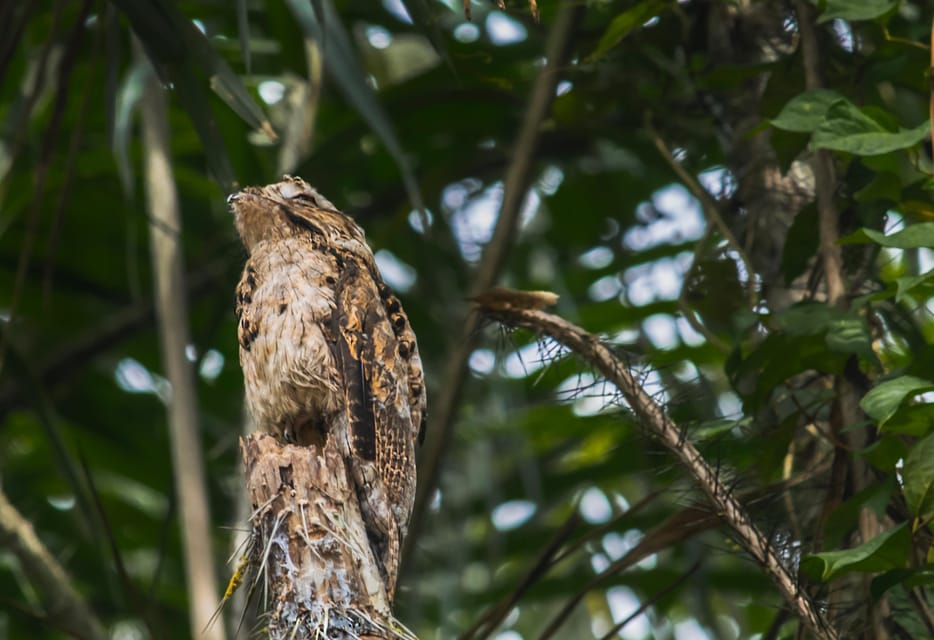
x=430 y=120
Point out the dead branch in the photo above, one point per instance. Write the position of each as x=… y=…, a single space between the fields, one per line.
x=825 y=175
x=312 y=553
x=846 y=411
x=653 y=416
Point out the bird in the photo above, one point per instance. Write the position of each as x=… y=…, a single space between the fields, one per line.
x=327 y=351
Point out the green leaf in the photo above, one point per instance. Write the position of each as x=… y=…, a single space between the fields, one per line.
x=911 y=420
x=176 y=48
x=883 y=186
x=801 y=243
x=156 y=24
x=788 y=146
x=845 y=517
x=916 y=577
x=885 y=452
x=918 y=477
x=884 y=399
x=225 y=82
x=850 y=335
x=424 y=16
x=888 y=550
x=911 y=237
x=321 y=24
x=848 y=129
x=808 y=318
x=243 y=31
x=845 y=331
x=777 y=358
x=713 y=429
x=194 y=100
x=806 y=111
x=625 y=23
x=914 y=236
x=909 y=283
x=131 y=90
x=856 y=9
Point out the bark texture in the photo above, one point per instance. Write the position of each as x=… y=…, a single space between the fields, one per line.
x=311 y=552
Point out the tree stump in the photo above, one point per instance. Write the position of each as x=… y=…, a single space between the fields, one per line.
x=310 y=554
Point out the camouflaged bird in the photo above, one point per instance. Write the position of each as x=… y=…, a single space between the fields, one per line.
x=327 y=351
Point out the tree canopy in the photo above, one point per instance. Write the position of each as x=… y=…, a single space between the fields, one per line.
x=735 y=196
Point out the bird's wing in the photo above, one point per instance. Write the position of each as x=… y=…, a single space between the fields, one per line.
x=350 y=349
x=407 y=350
x=376 y=401
x=376 y=379
x=246 y=326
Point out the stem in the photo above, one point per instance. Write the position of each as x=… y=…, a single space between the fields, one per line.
x=65 y=607
x=825 y=175
x=172 y=315
x=653 y=416
x=515 y=186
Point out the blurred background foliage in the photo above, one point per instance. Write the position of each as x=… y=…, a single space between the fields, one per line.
x=671 y=207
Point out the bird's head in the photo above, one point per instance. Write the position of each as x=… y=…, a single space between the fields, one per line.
x=278 y=210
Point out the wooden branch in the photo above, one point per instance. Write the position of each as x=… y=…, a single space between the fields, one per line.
x=64 y=606
x=311 y=553
x=825 y=174
x=174 y=338
x=691 y=521
x=653 y=416
x=846 y=411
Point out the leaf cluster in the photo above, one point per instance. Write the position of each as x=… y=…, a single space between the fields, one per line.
x=671 y=207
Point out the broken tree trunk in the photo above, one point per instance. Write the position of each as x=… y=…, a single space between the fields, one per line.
x=310 y=553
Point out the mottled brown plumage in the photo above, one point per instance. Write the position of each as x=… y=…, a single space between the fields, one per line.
x=327 y=351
